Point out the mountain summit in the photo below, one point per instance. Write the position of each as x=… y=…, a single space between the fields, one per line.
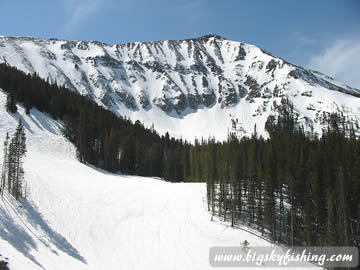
x=194 y=87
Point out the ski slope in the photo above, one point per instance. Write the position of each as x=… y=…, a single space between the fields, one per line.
x=79 y=217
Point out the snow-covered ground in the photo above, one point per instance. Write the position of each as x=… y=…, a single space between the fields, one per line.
x=78 y=217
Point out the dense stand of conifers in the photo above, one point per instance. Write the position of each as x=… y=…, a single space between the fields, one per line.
x=12 y=172
x=294 y=188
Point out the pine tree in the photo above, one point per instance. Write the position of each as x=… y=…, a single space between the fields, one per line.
x=11 y=169
x=5 y=165
x=269 y=205
x=11 y=103
x=17 y=151
x=260 y=203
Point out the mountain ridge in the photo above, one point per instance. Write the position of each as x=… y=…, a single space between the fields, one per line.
x=175 y=79
x=110 y=44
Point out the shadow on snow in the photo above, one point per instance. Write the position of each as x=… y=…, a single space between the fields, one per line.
x=23 y=239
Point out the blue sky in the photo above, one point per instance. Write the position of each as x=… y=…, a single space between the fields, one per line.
x=324 y=35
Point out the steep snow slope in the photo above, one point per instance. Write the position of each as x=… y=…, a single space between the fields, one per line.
x=194 y=87
x=78 y=217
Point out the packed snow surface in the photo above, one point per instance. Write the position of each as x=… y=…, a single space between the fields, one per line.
x=79 y=217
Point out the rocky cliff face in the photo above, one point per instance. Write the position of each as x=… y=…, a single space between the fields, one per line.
x=180 y=78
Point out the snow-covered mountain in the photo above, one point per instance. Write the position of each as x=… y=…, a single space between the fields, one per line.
x=195 y=87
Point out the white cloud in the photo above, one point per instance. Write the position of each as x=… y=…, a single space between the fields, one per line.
x=302 y=39
x=341 y=60
x=78 y=11
x=84 y=9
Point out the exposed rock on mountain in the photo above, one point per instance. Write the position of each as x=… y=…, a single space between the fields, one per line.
x=176 y=79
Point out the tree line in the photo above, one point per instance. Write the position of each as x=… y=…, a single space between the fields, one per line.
x=295 y=188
